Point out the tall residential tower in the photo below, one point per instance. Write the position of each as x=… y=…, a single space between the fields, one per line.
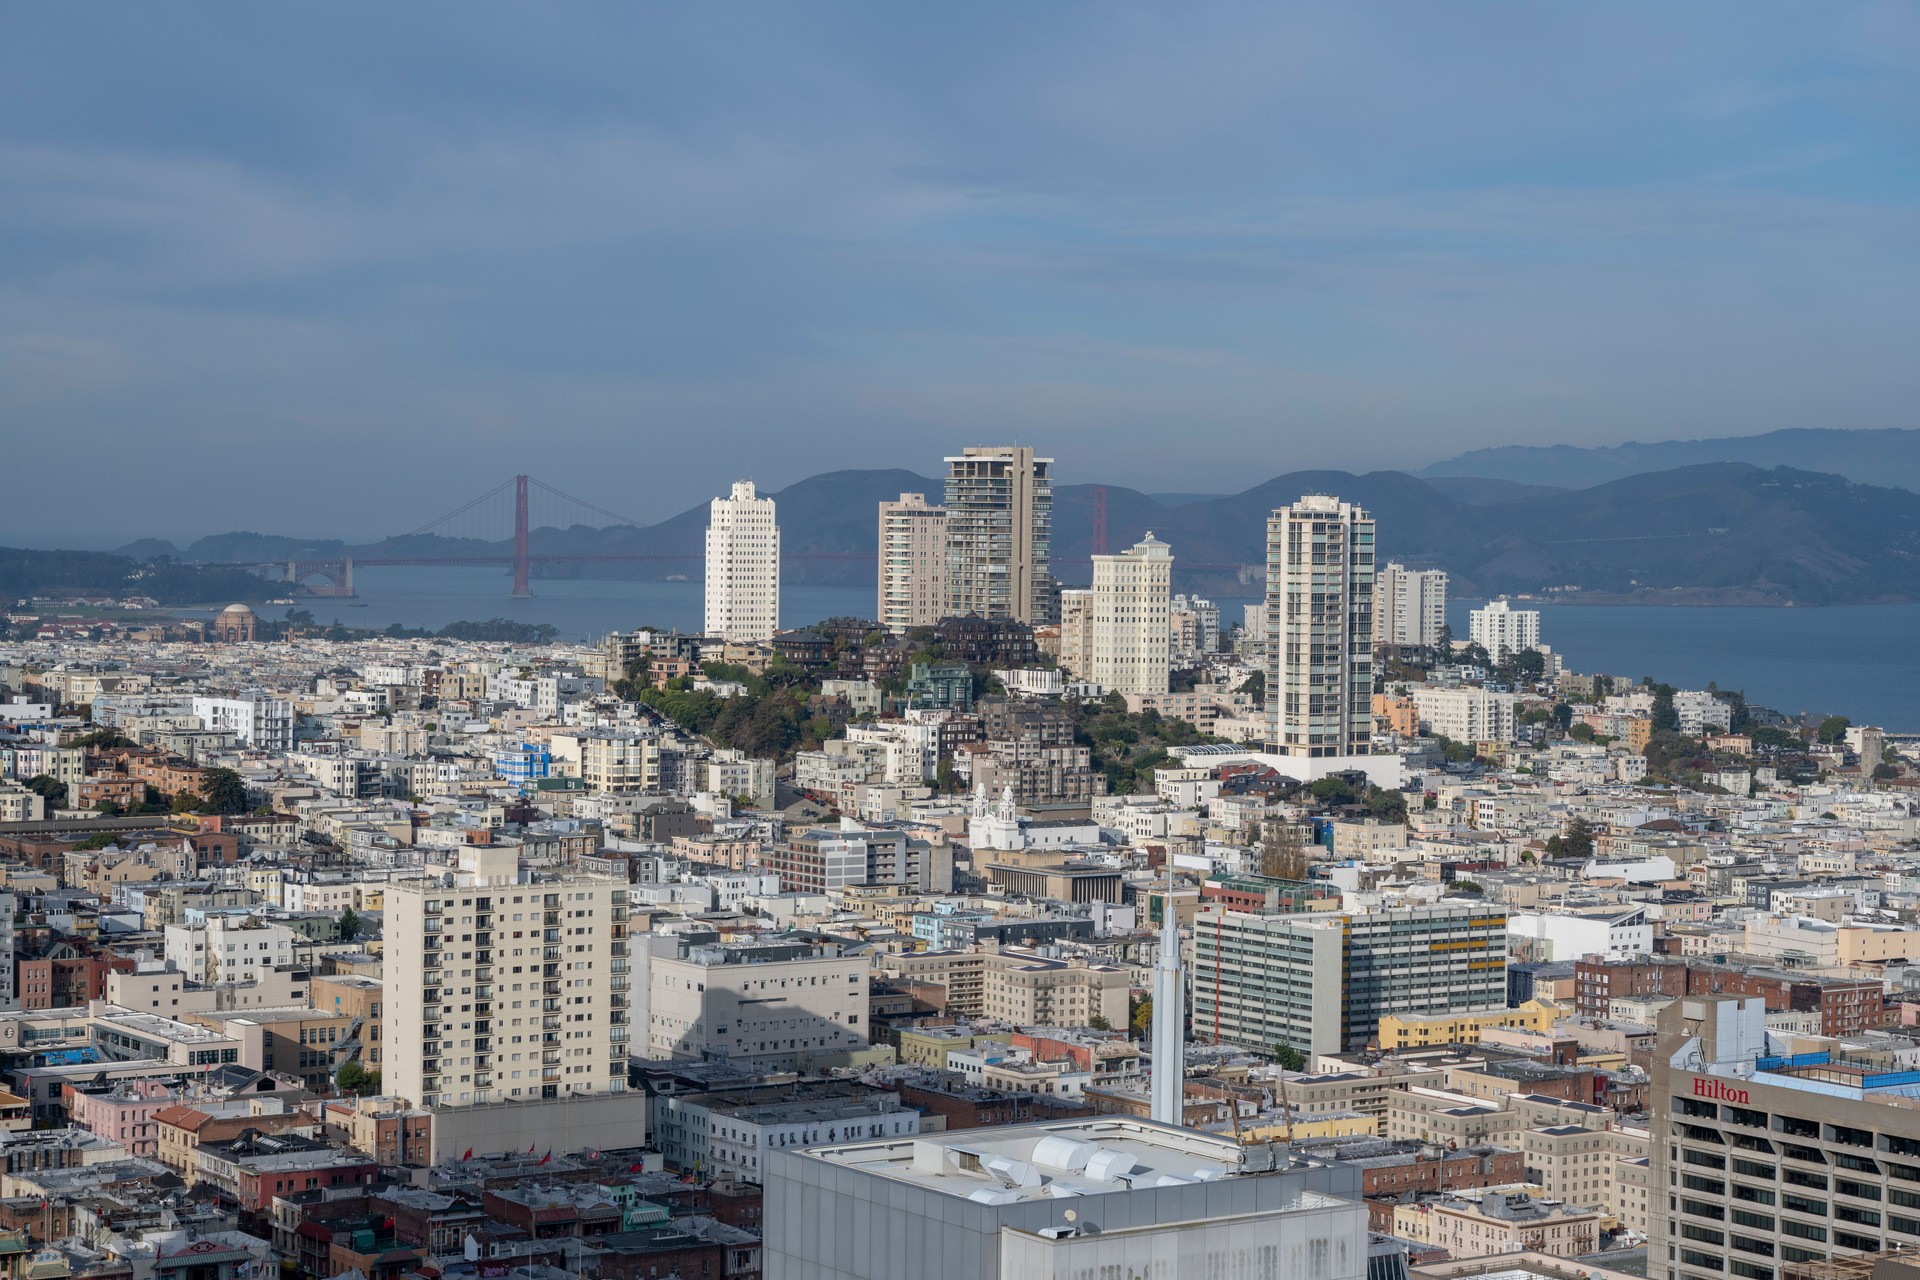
x=1320 y=627
x=913 y=563
x=1129 y=636
x=743 y=567
x=1409 y=605
x=999 y=503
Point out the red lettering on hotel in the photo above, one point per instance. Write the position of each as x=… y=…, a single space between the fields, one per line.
x=1704 y=1088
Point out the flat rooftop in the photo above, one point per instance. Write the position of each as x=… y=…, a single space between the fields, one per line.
x=1015 y=1163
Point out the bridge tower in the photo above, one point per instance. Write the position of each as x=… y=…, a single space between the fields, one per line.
x=520 y=588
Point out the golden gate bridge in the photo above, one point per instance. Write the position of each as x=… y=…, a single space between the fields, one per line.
x=534 y=506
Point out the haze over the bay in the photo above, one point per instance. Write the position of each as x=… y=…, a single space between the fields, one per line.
x=321 y=269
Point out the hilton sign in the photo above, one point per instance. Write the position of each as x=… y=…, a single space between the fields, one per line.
x=1703 y=1088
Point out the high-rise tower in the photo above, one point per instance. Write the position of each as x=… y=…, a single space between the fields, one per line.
x=913 y=563
x=1130 y=638
x=1320 y=627
x=743 y=566
x=999 y=503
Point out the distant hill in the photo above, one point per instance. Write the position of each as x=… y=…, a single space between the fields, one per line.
x=29 y=572
x=1720 y=533
x=1883 y=457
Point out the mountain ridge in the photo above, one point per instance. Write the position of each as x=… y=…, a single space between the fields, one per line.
x=1888 y=456
x=1715 y=532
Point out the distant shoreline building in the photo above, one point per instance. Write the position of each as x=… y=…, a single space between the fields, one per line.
x=1503 y=630
x=743 y=567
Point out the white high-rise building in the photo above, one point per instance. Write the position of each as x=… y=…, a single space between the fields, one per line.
x=913 y=563
x=1502 y=630
x=1320 y=627
x=999 y=504
x=743 y=567
x=1409 y=605
x=1131 y=642
x=503 y=984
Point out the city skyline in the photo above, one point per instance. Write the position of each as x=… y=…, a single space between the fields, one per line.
x=629 y=237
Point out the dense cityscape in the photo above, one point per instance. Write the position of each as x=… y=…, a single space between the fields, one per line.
x=1013 y=930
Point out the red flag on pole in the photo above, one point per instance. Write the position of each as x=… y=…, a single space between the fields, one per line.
x=545 y=1158
x=469 y=1154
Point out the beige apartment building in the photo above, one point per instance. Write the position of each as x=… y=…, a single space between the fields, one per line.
x=913 y=563
x=1505 y=1223
x=617 y=763
x=1028 y=989
x=504 y=985
x=1132 y=641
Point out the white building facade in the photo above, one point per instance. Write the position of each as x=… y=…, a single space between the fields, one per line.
x=743 y=566
x=1131 y=641
x=257 y=721
x=1320 y=627
x=1503 y=630
x=1409 y=605
x=913 y=563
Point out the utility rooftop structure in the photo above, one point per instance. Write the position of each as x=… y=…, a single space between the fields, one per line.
x=1056 y=1199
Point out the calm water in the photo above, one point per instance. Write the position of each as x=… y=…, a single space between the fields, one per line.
x=1859 y=661
x=582 y=608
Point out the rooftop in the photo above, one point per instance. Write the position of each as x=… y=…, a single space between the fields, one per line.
x=1044 y=1161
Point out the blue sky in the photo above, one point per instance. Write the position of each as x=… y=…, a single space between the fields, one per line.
x=334 y=268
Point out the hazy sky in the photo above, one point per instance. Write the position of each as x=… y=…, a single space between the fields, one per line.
x=335 y=268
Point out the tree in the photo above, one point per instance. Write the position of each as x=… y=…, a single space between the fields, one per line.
x=225 y=792
x=1283 y=855
x=1099 y=1023
x=1664 y=716
x=1333 y=790
x=1833 y=729
x=1577 y=840
x=356 y=1079
x=1581 y=732
x=103 y=740
x=1387 y=806
x=1288 y=1058
x=1255 y=686
x=1467 y=889
x=185 y=802
x=1140 y=1013
x=1530 y=663
x=349 y=925
x=1563 y=716
x=50 y=789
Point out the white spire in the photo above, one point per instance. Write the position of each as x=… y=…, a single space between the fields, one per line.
x=1168 y=1087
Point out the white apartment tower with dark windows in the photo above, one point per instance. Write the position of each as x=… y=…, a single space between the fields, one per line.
x=913 y=563
x=1131 y=642
x=1320 y=627
x=743 y=567
x=1502 y=630
x=999 y=502
x=1409 y=606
